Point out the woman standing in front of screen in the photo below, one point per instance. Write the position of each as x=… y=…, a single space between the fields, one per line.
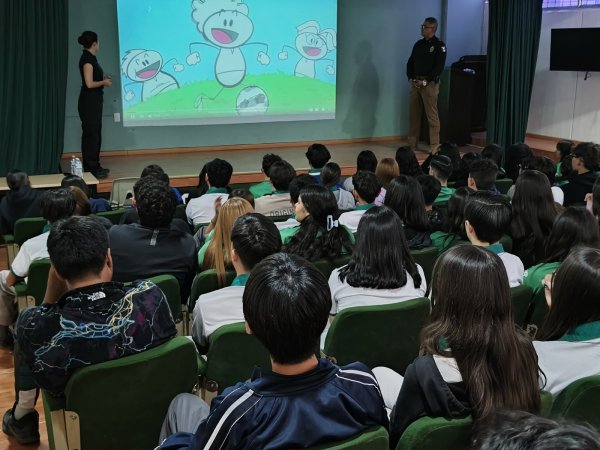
x=90 y=102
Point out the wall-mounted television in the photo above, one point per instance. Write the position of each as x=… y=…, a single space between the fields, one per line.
x=575 y=49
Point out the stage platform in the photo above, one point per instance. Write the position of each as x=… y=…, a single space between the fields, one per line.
x=184 y=164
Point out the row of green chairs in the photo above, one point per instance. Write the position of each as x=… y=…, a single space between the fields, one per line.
x=502 y=184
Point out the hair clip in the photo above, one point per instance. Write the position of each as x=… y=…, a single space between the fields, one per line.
x=332 y=223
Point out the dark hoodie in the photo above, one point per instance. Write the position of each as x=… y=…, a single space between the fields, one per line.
x=18 y=204
x=577 y=188
x=424 y=392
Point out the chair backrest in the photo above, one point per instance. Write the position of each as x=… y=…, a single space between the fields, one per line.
x=28 y=227
x=122 y=189
x=434 y=433
x=114 y=216
x=122 y=403
x=232 y=355
x=507 y=243
x=205 y=282
x=170 y=287
x=579 y=402
x=538 y=311
x=385 y=335
x=37 y=281
x=520 y=299
x=375 y=438
x=326 y=266
x=504 y=184
x=426 y=258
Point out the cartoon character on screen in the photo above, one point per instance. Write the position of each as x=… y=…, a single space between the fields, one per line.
x=312 y=44
x=146 y=67
x=225 y=26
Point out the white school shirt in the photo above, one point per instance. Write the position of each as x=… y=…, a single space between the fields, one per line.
x=32 y=249
x=351 y=219
x=512 y=263
x=202 y=209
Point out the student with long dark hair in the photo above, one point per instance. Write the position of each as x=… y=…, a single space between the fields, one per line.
x=330 y=178
x=454 y=225
x=569 y=342
x=320 y=235
x=473 y=359
x=534 y=211
x=381 y=270
x=407 y=162
x=367 y=161
x=91 y=98
x=573 y=227
x=405 y=197
x=564 y=149
x=585 y=163
x=517 y=157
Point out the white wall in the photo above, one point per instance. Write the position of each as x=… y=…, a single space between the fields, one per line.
x=563 y=105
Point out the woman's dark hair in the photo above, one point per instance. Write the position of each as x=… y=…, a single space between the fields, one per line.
x=455 y=219
x=330 y=174
x=589 y=154
x=381 y=257
x=533 y=205
x=82 y=202
x=73 y=180
x=450 y=150
x=493 y=355
x=544 y=165
x=87 y=39
x=407 y=162
x=572 y=227
x=268 y=161
x=202 y=183
x=57 y=204
x=493 y=152
x=575 y=294
x=405 y=197
x=298 y=183
x=366 y=160
x=286 y=305
x=16 y=179
x=313 y=241
x=517 y=156
x=566 y=168
x=564 y=148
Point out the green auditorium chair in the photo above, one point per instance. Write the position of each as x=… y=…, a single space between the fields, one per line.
x=375 y=438
x=326 y=266
x=520 y=299
x=121 y=404
x=426 y=258
x=435 y=433
x=170 y=286
x=25 y=228
x=232 y=356
x=504 y=184
x=205 y=282
x=580 y=402
x=537 y=313
x=31 y=293
x=386 y=335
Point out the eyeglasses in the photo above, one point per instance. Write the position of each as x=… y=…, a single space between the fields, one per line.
x=426 y=26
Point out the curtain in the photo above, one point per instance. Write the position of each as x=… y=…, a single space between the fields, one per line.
x=514 y=35
x=33 y=78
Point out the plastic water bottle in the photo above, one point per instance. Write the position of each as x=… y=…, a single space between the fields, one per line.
x=73 y=165
x=78 y=168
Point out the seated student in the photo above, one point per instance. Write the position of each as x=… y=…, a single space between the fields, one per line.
x=516 y=157
x=20 y=201
x=441 y=169
x=302 y=401
x=366 y=189
x=330 y=177
x=534 y=212
x=450 y=151
x=568 y=345
x=85 y=319
x=431 y=188
x=473 y=356
x=56 y=204
x=453 y=231
x=265 y=187
x=518 y=430
x=482 y=176
x=548 y=168
x=84 y=208
x=96 y=204
x=296 y=185
x=407 y=162
x=158 y=172
x=381 y=270
x=278 y=202
x=201 y=188
x=366 y=160
x=487 y=218
x=217 y=178
x=573 y=227
x=564 y=149
x=465 y=166
x=253 y=238
x=216 y=251
x=494 y=153
x=585 y=164
x=318 y=156
x=405 y=197
x=321 y=233
x=387 y=169
x=152 y=247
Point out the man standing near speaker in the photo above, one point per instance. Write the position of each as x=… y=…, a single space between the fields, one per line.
x=423 y=70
